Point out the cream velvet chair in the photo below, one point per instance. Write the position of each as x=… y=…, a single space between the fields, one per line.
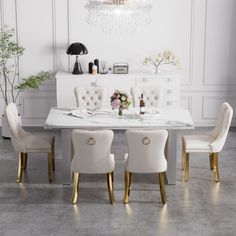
x=25 y=142
x=152 y=96
x=92 y=156
x=211 y=142
x=145 y=155
x=90 y=97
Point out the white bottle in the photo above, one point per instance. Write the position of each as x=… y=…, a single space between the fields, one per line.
x=94 y=70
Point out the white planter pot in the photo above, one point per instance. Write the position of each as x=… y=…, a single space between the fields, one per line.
x=5 y=129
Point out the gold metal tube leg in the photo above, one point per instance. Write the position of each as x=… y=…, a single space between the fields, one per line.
x=162 y=187
x=211 y=161
x=53 y=156
x=183 y=154
x=25 y=159
x=110 y=187
x=50 y=167
x=130 y=180
x=187 y=167
x=20 y=167
x=216 y=168
x=126 y=195
x=75 y=187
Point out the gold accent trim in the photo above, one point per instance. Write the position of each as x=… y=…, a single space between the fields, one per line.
x=75 y=187
x=146 y=141
x=162 y=187
x=128 y=176
x=53 y=155
x=110 y=178
x=216 y=168
x=20 y=167
x=183 y=153
x=211 y=161
x=130 y=180
x=50 y=170
x=90 y=141
x=24 y=158
x=187 y=167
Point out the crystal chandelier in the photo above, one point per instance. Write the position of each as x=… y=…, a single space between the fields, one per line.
x=118 y=16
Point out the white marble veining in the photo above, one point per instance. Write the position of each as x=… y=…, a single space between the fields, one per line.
x=168 y=118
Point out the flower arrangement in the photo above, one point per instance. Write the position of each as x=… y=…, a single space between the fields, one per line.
x=167 y=57
x=120 y=100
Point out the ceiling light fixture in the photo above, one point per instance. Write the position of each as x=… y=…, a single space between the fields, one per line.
x=118 y=16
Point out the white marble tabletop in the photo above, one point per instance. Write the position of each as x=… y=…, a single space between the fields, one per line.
x=162 y=118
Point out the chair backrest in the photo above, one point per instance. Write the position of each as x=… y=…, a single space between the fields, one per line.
x=92 y=151
x=14 y=121
x=90 y=97
x=146 y=151
x=152 y=95
x=222 y=126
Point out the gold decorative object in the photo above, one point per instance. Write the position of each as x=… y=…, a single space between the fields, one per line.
x=146 y=141
x=90 y=141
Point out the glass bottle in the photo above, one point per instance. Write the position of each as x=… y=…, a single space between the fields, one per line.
x=141 y=105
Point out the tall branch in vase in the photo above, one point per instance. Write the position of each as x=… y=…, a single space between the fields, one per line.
x=10 y=52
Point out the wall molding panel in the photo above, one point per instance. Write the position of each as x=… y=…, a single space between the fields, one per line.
x=201 y=32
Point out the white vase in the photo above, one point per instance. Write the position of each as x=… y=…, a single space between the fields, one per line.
x=5 y=129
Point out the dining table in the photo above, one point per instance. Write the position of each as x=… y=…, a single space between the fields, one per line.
x=68 y=118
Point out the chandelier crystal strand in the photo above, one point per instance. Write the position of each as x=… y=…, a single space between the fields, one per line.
x=118 y=16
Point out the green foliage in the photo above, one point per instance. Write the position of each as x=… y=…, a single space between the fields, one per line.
x=10 y=52
x=34 y=81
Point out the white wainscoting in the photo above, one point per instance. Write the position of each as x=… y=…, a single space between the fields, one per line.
x=201 y=32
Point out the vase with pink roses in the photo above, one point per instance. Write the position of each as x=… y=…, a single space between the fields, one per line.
x=120 y=100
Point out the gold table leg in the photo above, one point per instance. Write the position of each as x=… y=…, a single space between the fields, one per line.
x=75 y=187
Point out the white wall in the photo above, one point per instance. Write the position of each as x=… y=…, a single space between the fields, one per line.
x=200 y=32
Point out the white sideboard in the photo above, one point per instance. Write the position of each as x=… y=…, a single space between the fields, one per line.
x=169 y=82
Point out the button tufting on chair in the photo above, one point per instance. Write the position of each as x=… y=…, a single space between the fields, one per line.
x=152 y=95
x=85 y=95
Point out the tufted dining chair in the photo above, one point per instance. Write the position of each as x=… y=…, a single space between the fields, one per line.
x=90 y=97
x=211 y=142
x=92 y=156
x=145 y=155
x=152 y=95
x=26 y=142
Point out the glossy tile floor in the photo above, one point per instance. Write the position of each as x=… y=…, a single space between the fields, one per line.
x=200 y=207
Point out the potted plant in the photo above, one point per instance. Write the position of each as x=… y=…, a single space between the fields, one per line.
x=10 y=88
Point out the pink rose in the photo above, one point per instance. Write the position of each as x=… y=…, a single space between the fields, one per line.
x=115 y=104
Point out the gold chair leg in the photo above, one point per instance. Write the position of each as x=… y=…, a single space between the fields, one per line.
x=75 y=187
x=127 y=184
x=211 y=161
x=50 y=167
x=183 y=154
x=53 y=156
x=216 y=168
x=20 y=168
x=162 y=187
x=25 y=158
x=110 y=187
x=186 y=167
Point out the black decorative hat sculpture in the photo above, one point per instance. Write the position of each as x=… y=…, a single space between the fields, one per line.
x=77 y=49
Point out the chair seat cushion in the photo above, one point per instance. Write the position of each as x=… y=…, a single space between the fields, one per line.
x=38 y=142
x=198 y=143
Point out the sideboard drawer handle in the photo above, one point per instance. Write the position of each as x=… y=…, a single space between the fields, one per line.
x=169 y=91
x=169 y=103
x=93 y=84
x=170 y=79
